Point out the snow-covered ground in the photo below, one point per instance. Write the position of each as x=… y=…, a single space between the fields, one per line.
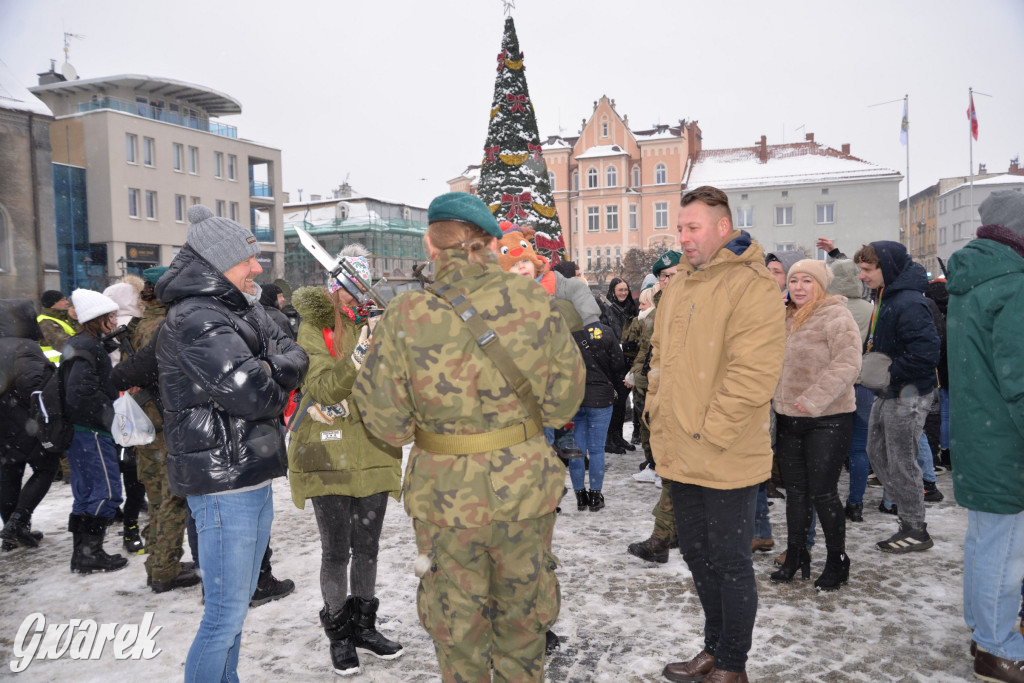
x=899 y=618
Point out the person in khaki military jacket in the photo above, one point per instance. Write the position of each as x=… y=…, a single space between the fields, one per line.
x=482 y=482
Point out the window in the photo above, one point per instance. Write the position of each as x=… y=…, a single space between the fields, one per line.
x=196 y=200
x=785 y=194
x=826 y=213
x=575 y=181
x=633 y=223
x=148 y=151
x=783 y=246
x=745 y=217
x=611 y=218
x=232 y=165
x=131 y=146
x=234 y=211
x=576 y=220
x=942 y=235
x=590 y=261
x=612 y=176
x=193 y=160
x=179 y=157
x=592 y=178
x=604 y=128
x=743 y=196
x=661 y=215
x=824 y=190
x=593 y=219
x=179 y=208
x=221 y=207
x=636 y=176
x=618 y=256
x=218 y=164
x=551 y=180
x=151 y=205
x=783 y=215
x=133 y=202
x=660 y=174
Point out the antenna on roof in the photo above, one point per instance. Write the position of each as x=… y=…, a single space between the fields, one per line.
x=69 y=72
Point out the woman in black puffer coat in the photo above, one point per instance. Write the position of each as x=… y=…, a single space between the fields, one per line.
x=23 y=369
x=620 y=311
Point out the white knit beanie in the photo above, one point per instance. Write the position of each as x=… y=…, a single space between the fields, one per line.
x=89 y=304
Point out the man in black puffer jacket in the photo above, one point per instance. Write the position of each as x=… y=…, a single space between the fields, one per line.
x=225 y=373
x=23 y=369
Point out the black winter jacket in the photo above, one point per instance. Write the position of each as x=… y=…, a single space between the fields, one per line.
x=88 y=394
x=225 y=373
x=23 y=369
x=605 y=365
x=905 y=330
x=275 y=314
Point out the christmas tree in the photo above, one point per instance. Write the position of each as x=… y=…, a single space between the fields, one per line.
x=513 y=175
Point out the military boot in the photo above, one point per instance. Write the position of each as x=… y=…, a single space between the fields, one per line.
x=654 y=549
x=132 y=541
x=339 y=627
x=88 y=555
x=18 y=529
x=367 y=637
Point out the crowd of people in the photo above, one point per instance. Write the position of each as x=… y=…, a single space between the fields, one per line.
x=744 y=374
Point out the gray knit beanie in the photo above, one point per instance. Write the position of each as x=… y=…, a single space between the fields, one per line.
x=221 y=241
x=1004 y=208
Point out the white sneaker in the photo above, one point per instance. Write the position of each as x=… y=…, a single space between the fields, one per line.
x=657 y=481
x=645 y=476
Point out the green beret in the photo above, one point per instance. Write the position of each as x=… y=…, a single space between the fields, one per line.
x=151 y=275
x=465 y=208
x=666 y=260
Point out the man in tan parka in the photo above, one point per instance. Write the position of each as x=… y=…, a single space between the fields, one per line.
x=719 y=340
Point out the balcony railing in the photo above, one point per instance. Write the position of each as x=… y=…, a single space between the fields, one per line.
x=264 y=234
x=258 y=188
x=159 y=114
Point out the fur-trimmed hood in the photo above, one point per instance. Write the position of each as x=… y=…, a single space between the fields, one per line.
x=314 y=305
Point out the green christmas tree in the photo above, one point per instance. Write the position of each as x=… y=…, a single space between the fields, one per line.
x=513 y=174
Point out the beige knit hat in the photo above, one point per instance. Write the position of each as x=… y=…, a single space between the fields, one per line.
x=816 y=269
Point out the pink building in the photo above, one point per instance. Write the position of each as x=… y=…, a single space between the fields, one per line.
x=615 y=188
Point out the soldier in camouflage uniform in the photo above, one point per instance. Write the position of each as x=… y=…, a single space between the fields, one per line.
x=663 y=537
x=482 y=483
x=168 y=514
x=55 y=323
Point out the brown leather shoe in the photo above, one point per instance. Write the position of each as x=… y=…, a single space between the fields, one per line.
x=693 y=671
x=761 y=545
x=720 y=676
x=991 y=668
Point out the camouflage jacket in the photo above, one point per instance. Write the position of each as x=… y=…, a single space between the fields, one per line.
x=340 y=458
x=142 y=332
x=424 y=369
x=54 y=334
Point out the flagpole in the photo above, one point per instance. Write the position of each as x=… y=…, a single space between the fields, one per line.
x=970 y=139
x=906 y=110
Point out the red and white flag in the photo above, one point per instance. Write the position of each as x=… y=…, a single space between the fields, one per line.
x=972 y=116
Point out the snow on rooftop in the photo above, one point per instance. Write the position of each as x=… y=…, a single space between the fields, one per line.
x=786 y=165
x=15 y=97
x=665 y=134
x=555 y=143
x=1005 y=179
x=603 y=151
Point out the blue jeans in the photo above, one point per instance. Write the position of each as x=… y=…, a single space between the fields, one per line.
x=944 y=425
x=715 y=529
x=993 y=567
x=95 y=475
x=234 y=530
x=762 y=525
x=591 y=432
x=859 y=446
x=925 y=459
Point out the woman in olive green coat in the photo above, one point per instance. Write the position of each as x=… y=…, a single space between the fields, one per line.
x=345 y=471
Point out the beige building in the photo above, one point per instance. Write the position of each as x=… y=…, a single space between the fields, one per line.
x=151 y=147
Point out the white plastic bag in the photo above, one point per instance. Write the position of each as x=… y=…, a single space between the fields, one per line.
x=131 y=427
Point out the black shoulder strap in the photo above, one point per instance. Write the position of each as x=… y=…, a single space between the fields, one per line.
x=487 y=340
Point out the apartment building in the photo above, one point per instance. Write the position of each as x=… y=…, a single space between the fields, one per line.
x=131 y=153
x=958 y=220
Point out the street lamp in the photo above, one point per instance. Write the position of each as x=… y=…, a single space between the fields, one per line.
x=122 y=264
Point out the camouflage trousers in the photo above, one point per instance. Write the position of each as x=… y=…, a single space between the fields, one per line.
x=168 y=514
x=488 y=598
x=664 y=516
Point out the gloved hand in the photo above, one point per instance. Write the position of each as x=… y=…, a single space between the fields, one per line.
x=328 y=414
x=362 y=346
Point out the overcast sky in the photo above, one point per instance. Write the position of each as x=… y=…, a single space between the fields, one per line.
x=394 y=94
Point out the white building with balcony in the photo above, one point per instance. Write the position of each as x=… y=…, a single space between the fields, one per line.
x=131 y=153
x=958 y=219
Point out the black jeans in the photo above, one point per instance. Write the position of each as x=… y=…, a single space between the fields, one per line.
x=134 y=490
x=811 y=454
x=349 y=525
x=14 y=496
x=715 y=529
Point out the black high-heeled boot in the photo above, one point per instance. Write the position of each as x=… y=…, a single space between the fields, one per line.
x=836 y=573
x=797 y=557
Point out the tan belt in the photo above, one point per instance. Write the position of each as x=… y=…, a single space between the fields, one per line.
x=465 y=444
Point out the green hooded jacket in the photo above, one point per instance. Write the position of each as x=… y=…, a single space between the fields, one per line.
x=985 y=334
x=340 y=458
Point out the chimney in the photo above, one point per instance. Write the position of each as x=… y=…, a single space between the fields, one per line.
x=51 y=76
x=1014 y=166
x=762 y=152
x=846 y=148
x=809 y=137
x=982 y=170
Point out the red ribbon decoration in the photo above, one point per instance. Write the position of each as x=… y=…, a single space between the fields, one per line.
x=517 y=204
x=492 y=154
x=501 y=59
x=535 y=151
x=518 y=102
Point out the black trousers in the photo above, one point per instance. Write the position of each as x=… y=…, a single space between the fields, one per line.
x=349 y=526
x=811 y=452
x=134 y=490
x=14 y=496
